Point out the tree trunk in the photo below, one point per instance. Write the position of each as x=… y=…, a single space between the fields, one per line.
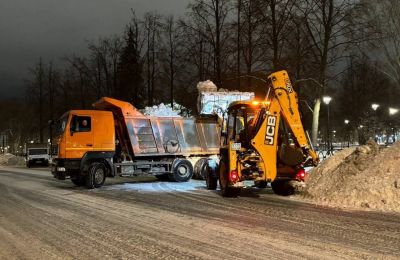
x=315 y=123
x=40 y=101
x=239 y=7
x=218 y=43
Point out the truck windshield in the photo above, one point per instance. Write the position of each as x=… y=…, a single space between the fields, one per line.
x=60 y=125
x=38 y=151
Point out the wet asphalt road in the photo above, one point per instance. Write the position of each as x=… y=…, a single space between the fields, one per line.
x=42 y=218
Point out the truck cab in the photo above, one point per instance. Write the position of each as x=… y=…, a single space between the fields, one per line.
x=83 y=138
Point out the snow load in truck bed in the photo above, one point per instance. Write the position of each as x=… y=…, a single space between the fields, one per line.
x=213 y=101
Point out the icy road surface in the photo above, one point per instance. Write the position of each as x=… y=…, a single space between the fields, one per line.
x=42 y=218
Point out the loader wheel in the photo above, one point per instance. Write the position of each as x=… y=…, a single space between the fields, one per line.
x=96 y=176
x=182 y=171
x=282 y=187
x=211 y=178
x=226 y=190
x=78 y=181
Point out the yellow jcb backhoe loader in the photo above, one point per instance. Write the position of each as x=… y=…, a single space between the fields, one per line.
x=263 y=141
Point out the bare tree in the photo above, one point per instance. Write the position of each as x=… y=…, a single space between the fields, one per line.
x=151 y=26
x=35 y=91
x=171 y=44
x=331 y=31
x=385 y=15
x=212 y=15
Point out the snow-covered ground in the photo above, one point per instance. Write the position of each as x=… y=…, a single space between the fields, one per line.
x=159 y=186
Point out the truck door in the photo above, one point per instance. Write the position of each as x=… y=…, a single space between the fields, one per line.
x=80 y=137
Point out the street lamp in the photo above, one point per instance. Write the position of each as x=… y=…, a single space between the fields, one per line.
x=393 y=111
x=327 y=100
x=346 y=122
x=375 y=106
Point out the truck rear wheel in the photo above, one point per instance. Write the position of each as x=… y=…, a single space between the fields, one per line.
x=96 y=175
x=226 y=190
x=182 y=171
x=199 y=169
x=282 y=187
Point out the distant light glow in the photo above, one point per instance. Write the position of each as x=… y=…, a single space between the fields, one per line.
x=375 y=106
x=346 y=121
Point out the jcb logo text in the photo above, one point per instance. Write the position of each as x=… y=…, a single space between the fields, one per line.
x=270 y=132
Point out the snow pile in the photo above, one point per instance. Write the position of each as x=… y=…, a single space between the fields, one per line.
x=362 y=178
x=10 y=159
x=206 y=86
x=165 y=110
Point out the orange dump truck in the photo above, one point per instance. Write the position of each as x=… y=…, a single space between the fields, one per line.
x=116 y=139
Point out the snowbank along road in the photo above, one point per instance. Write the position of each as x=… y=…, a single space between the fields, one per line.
x=42 y=218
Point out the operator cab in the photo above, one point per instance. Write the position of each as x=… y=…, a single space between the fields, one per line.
x=241 y=122
x=244 y=119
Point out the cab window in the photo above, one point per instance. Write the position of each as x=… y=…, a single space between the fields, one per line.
x=81 y=124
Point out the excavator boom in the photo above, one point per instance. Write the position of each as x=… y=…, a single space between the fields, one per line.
x=281 y=102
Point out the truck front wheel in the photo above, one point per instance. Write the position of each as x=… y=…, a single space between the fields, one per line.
x=96 y=175
x=182 y=170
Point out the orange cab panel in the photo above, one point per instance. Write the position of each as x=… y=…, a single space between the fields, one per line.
x=89 y=130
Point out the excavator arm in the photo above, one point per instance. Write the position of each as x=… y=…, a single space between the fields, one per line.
x=281 y=103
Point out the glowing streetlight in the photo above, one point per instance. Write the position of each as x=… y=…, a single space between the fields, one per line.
x=346 y=121
x=326 y=99
x=393 y=111
x=375 y=106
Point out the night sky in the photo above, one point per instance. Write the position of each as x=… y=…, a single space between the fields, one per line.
x=52 y=29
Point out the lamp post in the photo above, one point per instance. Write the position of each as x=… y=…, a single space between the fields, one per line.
x=327 y=100
x=346 y=122
x=374 y=107
x=392 y=112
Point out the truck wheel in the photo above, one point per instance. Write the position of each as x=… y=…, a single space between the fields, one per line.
x=199 y=169
x=182 y=171
x=226 y=190
x=282 y=187
x=28 y=164
x=96 y=175
x=78 y=181
x=211 y=178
